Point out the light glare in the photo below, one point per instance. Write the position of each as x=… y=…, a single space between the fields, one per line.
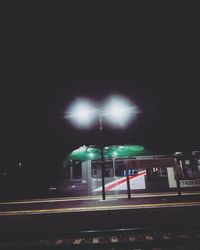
x=82 y=113
x=119 y=111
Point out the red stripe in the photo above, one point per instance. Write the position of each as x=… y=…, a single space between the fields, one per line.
x=121 y=181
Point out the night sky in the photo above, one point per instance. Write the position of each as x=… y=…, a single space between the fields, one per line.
x=35 y=123
x=48 y=61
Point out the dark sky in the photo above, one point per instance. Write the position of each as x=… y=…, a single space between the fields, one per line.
x=34 y=123
x=48 y=61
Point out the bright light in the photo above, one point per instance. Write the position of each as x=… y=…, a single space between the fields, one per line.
x=114 y=154
x=119 y=111
x=91 y=155
x=81 y=149
x=82 y=113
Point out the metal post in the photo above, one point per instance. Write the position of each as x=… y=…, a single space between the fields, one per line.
x=114 y=172
x=102 y=158
x=178 y=172
x=155 y=179
x=128 y=183
x=178 y=186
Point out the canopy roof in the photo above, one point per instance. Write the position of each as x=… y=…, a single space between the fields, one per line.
x=92 y=152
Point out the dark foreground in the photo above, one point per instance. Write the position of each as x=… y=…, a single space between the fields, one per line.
x=137 y=238
x=141 y=223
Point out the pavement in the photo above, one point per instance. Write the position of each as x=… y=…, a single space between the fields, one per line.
x=59 y=221
x=95 y=203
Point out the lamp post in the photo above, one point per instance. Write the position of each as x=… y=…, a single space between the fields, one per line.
x=102 y=158
x=118 y=112
x=113 y=159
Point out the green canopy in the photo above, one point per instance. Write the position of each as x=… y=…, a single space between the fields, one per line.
x=85 y=153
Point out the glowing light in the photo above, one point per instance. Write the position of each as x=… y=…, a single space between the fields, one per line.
x=81 y=149
x=119 y=111
x=91 y=155
x=114 y=154
x=82 y=113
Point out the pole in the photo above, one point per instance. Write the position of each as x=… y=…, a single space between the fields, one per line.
x=128 y=182
x=178 y=171
x=102 y=158
x=178 y=187
x=114 y=172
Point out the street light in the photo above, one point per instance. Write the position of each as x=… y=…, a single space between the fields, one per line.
x=82 y=113
x=118 y=112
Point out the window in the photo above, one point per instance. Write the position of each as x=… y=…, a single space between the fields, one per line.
x=150 y=174
x=188 y=170
x=162 y=172
x=198 y=166
x=108 y=169
x=120 y=169
x=96 y=169
x=67 y=172
x=77 y=170
x=158 y=173
x=66 y=168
